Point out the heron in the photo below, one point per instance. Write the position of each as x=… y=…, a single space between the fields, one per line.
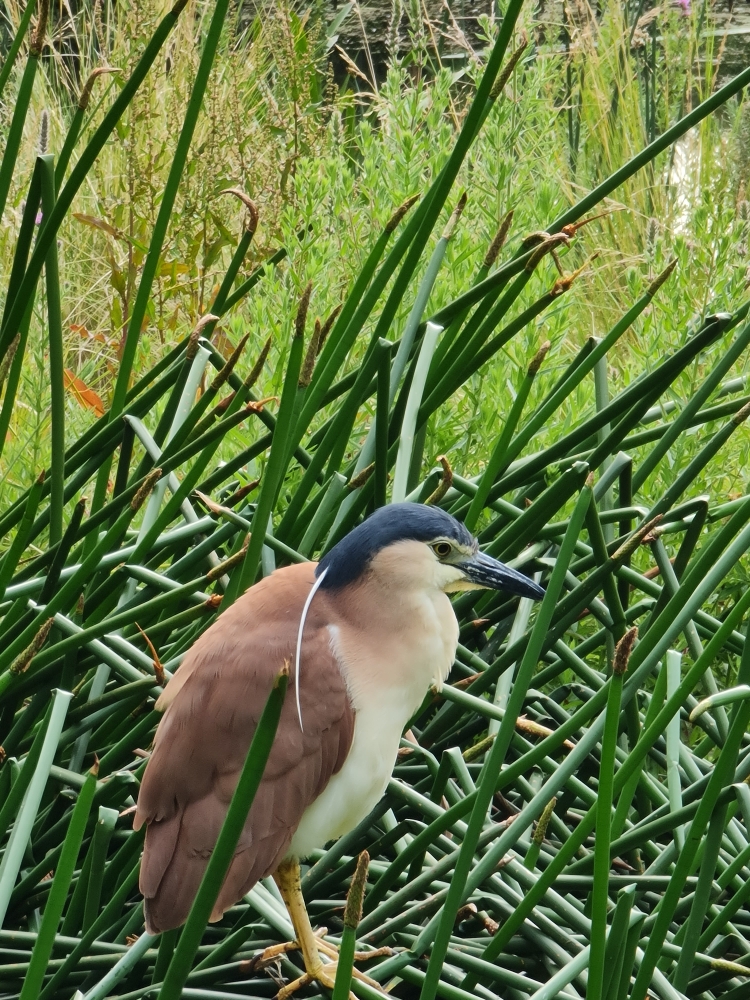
x=367 y=631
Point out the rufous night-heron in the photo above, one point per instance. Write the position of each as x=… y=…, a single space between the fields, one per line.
x=367 y=631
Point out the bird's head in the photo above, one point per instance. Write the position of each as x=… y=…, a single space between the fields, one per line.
x=447 y=552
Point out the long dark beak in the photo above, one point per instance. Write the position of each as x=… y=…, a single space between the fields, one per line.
x=485 y=571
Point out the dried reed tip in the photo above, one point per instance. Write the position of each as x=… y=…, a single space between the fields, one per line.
x=158 y=668
x=213 y=602
x=536 y=361
x=208 y=320
x=572 y=227
x=455 y=216
x=215 y=508
x=400 y=213
x=308 y=365
x=43 y=132
x=589 y=484
x=326 y=329
x=192 y=345
x=466 y=912
x=3 y=756
x=656 y=284
x=741 y=415
x=284 y=672
x=444 y=485
x=563 y=283
x=356 y=896
x=301 y=318
x=40 y=477
x=546 y=246
x=94 y=769
x=85 y=96
x=224 y=567
x=257 y=368
x=507 y=70
x=628 y=547
x=498 y=241
x=22 y=661
x=361 y=478
x=37 y=38
x=228 y=368
x=145 y=488
x=256 y=405
x=541 y=828
x=241 y=493
x=623 y=649
x=8 y=359
x=252 y=209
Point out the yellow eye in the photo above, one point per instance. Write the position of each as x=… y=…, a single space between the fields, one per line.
x=442 y=549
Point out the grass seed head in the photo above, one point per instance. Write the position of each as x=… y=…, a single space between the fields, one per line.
x=540 y=832
x=498 y=241
x=85 y=95
x=400 y=213
x=536 y=361
x=507 y=70
x=228 y=368
x=21 y=663
x=40 y=30
x=144 y=490
x=361 y=478
x=326 y=328
x=301 y=318
x=356 y=896
x=656 y=284
x=623 y=649
x=257 y=368
x=308 y=365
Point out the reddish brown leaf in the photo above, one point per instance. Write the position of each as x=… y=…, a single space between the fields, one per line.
x=222 y=343
x=85 y=396
x=91 y=220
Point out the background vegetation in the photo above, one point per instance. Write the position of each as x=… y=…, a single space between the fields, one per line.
x=569 y=814
x=326 y=159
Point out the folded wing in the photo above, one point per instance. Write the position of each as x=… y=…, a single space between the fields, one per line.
x=213 y=705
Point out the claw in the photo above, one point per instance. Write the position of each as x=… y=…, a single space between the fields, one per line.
x=325 y=974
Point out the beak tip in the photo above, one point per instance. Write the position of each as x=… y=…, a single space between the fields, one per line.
x=489 y=572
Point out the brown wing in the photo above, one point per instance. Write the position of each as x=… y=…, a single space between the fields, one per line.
x=214 y=703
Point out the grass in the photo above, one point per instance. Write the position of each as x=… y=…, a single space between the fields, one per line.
x=610 y=480
x=316 y=164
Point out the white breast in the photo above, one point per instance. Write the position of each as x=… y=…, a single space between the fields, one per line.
x=388 y=671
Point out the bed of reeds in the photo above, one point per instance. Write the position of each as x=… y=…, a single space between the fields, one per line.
x=570 y=814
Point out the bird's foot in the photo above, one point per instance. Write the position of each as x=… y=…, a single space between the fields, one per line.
x=325 y=973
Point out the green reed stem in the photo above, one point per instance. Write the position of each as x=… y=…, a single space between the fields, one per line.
x=64 y=869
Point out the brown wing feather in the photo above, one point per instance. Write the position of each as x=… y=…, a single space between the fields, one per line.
x=214 y=703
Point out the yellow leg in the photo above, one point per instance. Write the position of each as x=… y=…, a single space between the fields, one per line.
x=287 y=878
